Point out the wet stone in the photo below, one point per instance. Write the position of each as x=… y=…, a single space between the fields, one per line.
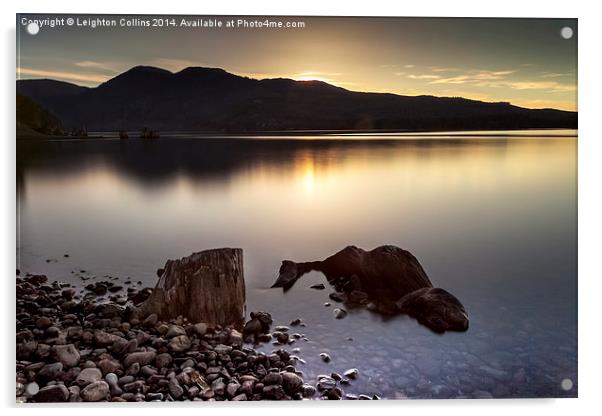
x=325 y=357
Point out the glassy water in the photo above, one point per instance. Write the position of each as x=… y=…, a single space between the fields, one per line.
x=491 y=217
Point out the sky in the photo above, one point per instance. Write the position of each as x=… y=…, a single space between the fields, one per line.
x=523 y=61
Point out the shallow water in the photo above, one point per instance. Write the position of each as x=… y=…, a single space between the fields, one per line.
x=492 y=219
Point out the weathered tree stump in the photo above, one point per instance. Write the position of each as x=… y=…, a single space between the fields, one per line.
x=207 y=286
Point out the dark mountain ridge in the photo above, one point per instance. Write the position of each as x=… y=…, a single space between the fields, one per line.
x=211 y=99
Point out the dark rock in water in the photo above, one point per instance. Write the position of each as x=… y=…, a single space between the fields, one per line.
x=386 y=271
x=335 y=394
x=325 y=357
x=308 y=391
x=68 y=293
x=54 y=393
x=326 y=383
x=259 y=324
x=388 y=279
x=435 y=308
x=337 y=297
x=351 y=373
x=339 y=313
x=281 y=337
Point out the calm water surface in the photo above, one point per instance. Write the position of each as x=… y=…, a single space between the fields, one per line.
x=492 y=218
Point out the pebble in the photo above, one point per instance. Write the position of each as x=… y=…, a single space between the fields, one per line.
x=180 y=343
x=94 y=392
x=351 y=373
x=325 y=357
x=53 y=393
x=88 y=376
x=339 y=313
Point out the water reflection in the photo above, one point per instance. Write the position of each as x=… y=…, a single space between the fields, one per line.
x=491 y=219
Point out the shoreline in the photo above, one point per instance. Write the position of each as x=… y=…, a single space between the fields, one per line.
x=76 y=349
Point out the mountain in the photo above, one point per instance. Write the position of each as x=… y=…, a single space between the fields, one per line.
x=211 y=99
x=33 y=120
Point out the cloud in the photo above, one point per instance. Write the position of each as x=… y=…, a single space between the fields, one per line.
x=423 y=76
x=551 y=86
x=474 y=77
x=443 y=69
x=547 y=74
x=500 y=79
x=63 y=75
x=104 y=66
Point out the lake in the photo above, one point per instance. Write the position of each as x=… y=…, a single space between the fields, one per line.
x=491 y=216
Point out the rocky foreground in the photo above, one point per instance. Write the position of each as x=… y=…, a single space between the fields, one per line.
x=73 y=350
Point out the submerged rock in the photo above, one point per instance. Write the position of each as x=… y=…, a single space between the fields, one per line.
x=435 y=308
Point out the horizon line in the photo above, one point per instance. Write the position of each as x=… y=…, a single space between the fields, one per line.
x=249 y=76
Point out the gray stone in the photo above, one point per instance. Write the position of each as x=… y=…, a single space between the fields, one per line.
x=163 y=360
x=175 y=331
x=351 y=373
x=150 y=320
x=222 y=349
x=142 y=358
x=50 y=371
x=175 y=389
x=88 y=376
x=232 y=388
x=272 y=378
x=95 y=392
x=180 y=343
x=308 y=391
x=339 y=313
x=291 y=382
x=66 y=354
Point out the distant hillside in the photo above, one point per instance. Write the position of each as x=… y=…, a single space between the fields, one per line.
x=209 y=99
x=33 y=120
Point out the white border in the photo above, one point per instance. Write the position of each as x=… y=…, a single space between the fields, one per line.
x=590 y=207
